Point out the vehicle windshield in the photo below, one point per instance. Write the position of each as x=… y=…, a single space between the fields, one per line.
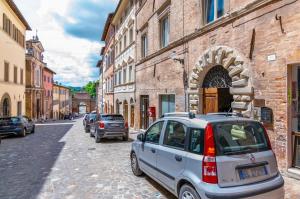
x=234 y=138
x=112 y=117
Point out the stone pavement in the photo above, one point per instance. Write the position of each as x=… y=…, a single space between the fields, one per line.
x=60 y=161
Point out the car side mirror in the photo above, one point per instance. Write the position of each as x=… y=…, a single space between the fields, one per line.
x=141 y=137
x=91 y=120
x=29 y=120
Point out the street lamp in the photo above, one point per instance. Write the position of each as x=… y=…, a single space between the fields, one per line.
x=175 y=58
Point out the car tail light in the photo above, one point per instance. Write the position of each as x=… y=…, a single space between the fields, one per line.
x=209 y=165
x=126 y=124
x=267 y=138
x=101 y=125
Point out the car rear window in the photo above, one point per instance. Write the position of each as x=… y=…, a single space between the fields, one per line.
x=4 y=121
x=111 y=117
x=234 y=138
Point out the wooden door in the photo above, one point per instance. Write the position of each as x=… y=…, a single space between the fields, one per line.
x=125 y=111
x=210 y=100
x=144 y=112
x=132 y=116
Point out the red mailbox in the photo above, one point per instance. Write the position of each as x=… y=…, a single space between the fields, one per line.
x=152 y=112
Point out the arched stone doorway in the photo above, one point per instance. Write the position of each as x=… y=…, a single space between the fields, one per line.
x=125 y=110
x=5 y=106
x=131 y=113
x=236 y=65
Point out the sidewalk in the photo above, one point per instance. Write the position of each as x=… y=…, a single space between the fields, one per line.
x=292 y=188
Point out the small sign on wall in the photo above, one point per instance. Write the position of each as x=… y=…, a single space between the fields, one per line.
x=271 y=57
x=266 y=115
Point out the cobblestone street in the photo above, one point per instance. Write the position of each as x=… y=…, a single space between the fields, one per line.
x=60 y=161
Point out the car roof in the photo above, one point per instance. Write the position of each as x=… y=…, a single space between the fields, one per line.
x=200 y=121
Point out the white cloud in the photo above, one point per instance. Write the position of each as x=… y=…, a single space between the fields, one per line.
x=68 y=56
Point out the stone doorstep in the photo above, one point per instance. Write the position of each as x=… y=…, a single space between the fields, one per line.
x=293 y=173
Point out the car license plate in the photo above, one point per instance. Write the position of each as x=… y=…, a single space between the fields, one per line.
x=115 y=125
x=252 y=172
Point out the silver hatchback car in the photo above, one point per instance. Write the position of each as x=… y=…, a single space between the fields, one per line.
x=208 y=156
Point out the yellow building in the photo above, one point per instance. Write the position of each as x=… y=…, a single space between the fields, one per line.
x=61 y=101
x=13 y=28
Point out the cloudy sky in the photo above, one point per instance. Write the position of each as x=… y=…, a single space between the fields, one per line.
x=70 y=32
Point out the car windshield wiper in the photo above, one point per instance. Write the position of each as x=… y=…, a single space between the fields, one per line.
x=243 y=150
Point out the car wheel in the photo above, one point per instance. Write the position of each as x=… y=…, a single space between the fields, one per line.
x=125 y=138
x=23 y=132
x=91 y=134
x=33 y=130
x=135 y=165
x=97 y=138
x=188 y=192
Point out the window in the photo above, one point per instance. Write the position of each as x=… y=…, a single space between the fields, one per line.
x=196 y=141
x=175 y=135
x=167 y=104
x=21 y=77
x=15 y=75
x=144 y=45
x=120 y=46
x=6 y=72
x=124 y=76
x=130 y=74
x=125 y=40
x=214 y=9
x=19 y=108
x=153 y=134
x=116 y=78
x=131 y=35
x=240 y=137
x=120 y=76
x=164 y=31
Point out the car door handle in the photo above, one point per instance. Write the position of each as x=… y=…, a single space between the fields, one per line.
x=153 y=150
x=178 y=158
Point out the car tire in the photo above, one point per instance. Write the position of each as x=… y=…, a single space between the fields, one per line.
x=23 y=133
x=187 y=191
x=97 y=138
x=135 y=165
x=91 y=134
x=126 y=137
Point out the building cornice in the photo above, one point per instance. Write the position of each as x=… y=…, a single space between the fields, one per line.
x=16 y=10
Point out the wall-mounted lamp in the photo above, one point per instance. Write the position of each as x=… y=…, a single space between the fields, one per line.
x=175 y=58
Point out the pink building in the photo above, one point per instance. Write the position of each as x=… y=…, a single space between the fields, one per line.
x=48 y=92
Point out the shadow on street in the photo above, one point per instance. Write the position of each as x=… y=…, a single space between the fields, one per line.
x=26 y=162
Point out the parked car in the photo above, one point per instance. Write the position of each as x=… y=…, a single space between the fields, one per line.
x=20 y=126
x=87 y=120
x=109 y=126
x=208 y=156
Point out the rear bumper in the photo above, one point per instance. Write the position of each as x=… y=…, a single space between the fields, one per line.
x=16 y=131
x=102 y=133
x=272 y=188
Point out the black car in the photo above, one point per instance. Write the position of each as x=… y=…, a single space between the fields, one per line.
x=20 y=126
x=87 y=121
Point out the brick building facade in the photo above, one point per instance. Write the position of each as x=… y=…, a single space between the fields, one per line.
x=191 y=55
x=108 y=54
